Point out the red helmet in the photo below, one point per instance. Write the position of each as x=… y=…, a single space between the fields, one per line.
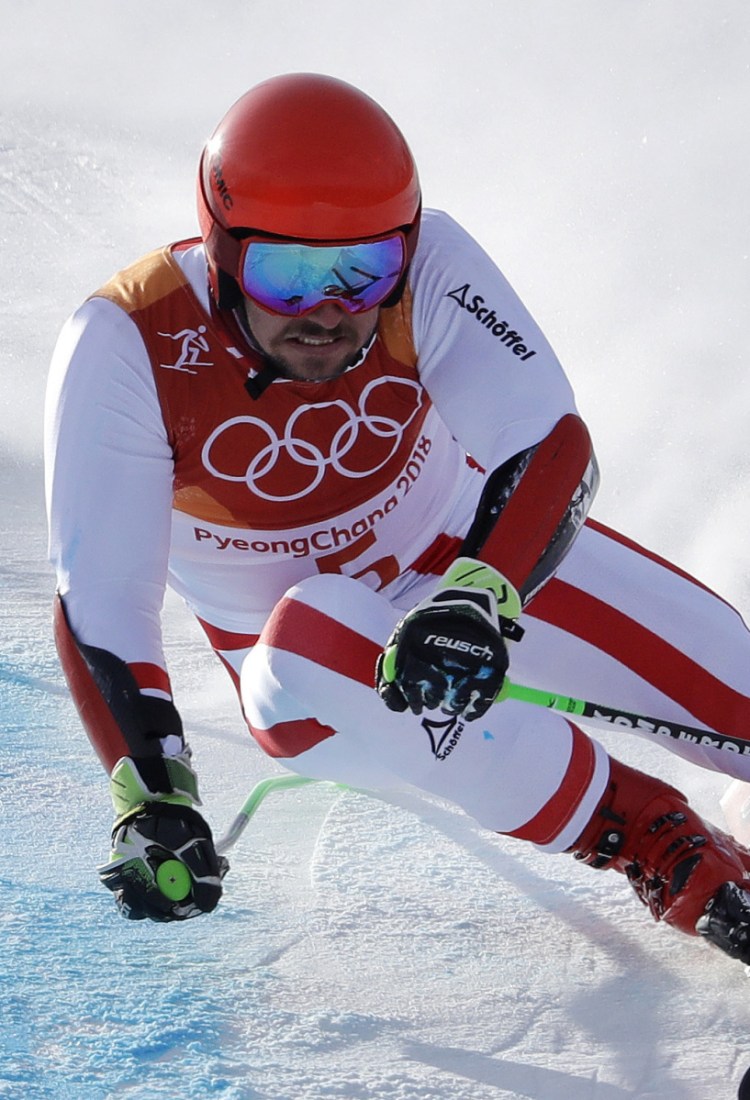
x=306 y=157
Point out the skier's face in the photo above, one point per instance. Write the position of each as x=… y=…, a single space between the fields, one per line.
x=317 y=346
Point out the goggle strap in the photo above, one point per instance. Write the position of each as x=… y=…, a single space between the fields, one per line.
x=226 y=249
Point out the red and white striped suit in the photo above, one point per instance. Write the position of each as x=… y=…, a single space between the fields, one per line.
x=314 y=515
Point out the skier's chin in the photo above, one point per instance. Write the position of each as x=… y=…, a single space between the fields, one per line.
x=305 y=362
x=306 y=365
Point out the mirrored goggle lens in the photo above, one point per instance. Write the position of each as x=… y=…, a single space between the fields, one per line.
x=293 y=278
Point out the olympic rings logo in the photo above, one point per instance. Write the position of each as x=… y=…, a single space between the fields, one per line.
x=359 y=427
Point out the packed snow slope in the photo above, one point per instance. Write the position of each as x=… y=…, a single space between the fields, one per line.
x=371 y=949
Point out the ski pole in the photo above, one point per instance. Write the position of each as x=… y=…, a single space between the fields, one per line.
x=582 y=708
x=253 y=801
x=613 y=716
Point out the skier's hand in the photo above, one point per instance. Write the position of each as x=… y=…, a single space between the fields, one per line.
x=450 y=652
x=163 y=864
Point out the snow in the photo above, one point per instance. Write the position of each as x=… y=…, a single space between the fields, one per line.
x=371 y=949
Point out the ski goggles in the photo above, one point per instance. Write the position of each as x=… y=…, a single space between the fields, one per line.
x=291 y=278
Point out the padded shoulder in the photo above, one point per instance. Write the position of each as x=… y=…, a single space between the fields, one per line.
x=144 y=282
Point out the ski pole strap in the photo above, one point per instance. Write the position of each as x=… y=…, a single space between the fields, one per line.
x=613 y=716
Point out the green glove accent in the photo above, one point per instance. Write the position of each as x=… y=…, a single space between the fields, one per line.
x=130 y=793
x=387 y=667
x=173 y=879
x=470 y=573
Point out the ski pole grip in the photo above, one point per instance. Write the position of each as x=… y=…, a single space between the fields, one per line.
x=539 y=698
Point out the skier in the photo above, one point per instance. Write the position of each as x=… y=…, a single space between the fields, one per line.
x=332 y=427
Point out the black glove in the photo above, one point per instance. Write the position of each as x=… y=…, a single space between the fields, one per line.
x=163 y=864
x=450 y=653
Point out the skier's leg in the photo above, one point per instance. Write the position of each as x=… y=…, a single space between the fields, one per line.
x=624 y=628
x=308 y=694
x=309 y=697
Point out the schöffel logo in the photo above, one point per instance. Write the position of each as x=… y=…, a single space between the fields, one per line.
x=444 y=736
x=474 y=304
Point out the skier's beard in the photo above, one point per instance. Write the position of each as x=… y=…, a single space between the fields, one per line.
x=315 y=365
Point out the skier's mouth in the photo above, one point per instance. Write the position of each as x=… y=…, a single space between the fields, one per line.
x=314 y=341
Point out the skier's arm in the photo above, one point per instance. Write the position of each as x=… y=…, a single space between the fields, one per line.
x=534 y=505
x=119 y=719
x=469 y=327
x=109 y=494
x=516 y=415
x=109 y=490
x=499 y=386
x=450 y=651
